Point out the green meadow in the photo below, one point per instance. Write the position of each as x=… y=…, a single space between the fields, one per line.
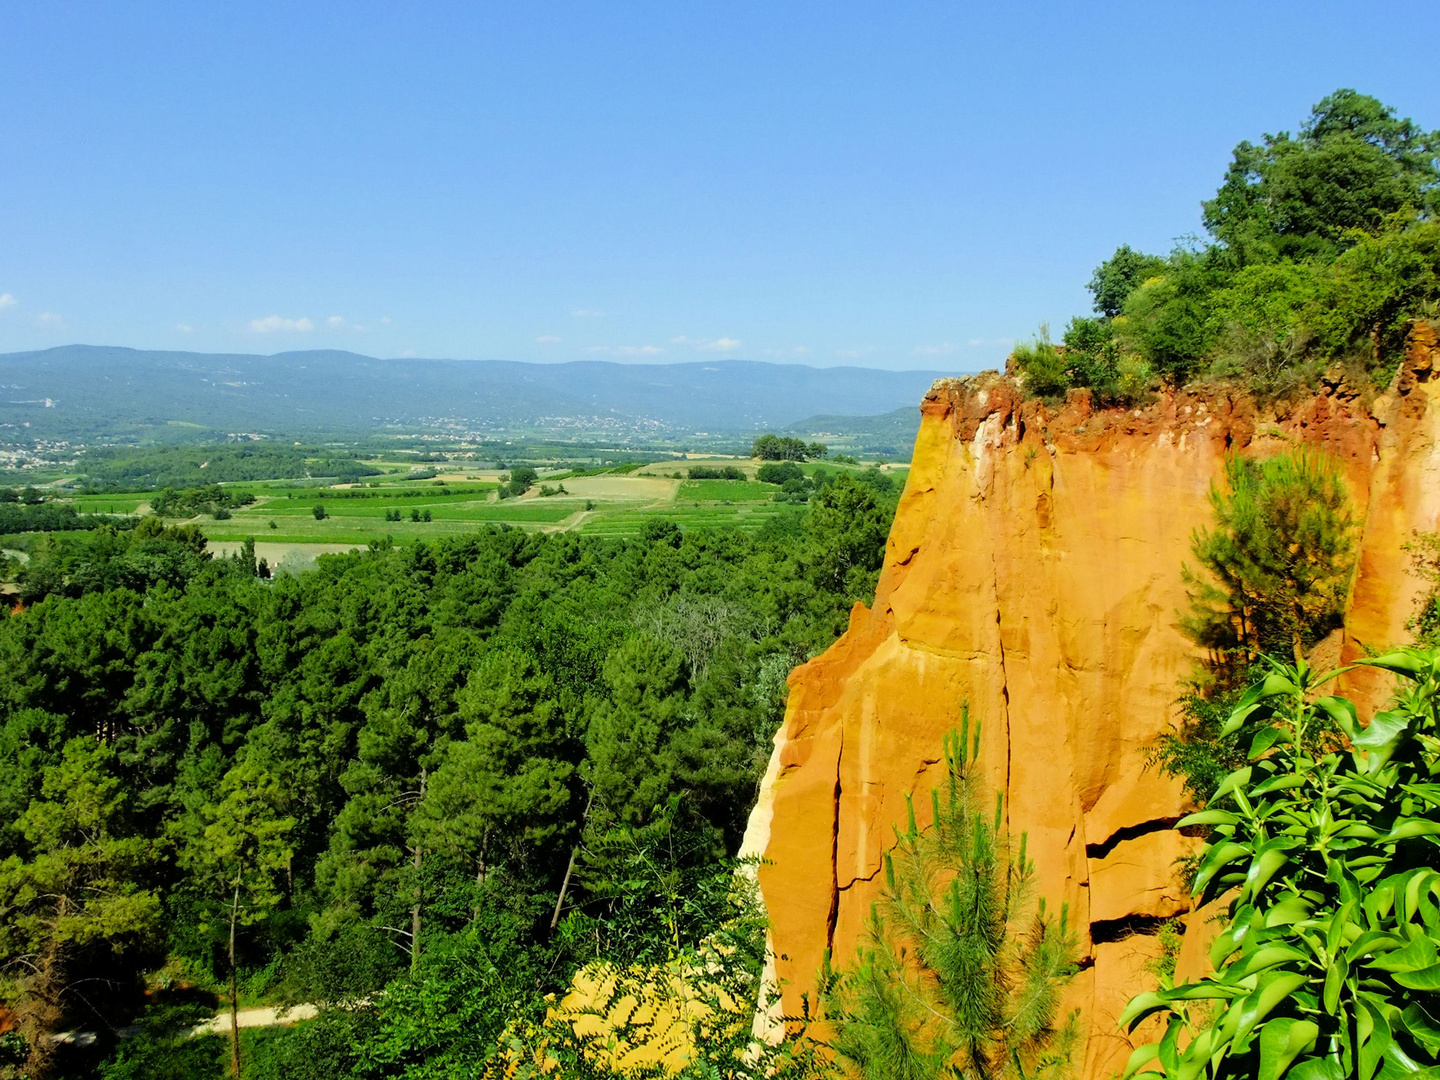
x=607 y=505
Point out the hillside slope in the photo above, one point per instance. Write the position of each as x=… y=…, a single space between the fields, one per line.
x=891 y=434
x=1033 y=570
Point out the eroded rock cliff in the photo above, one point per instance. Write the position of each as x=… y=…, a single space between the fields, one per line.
x=1033 y=570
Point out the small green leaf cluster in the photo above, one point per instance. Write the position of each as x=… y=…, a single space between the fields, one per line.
x=1329 y=963
x=1090 y=357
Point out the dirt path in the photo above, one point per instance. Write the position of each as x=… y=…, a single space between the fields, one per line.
x=268 y=1016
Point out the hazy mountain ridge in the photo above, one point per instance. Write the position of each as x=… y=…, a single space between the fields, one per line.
x=107 y=390
x=892 y=433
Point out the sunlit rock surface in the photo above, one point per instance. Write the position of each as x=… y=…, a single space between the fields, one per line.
x=1033 y=571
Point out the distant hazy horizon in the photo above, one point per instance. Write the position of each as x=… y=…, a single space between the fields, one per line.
x=100 y=393
x=659 y=361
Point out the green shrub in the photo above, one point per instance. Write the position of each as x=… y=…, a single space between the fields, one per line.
x=521 y=480
x=1274 y=300
x=1044 y=367
x=1278 y=559
x=1272 y=575
x=705 y=472
x=1120 y=275
x=1134 y=378
x=1168 y=319
x=162 y=1048
x=1094 y=359
x=779 y=472
x=1090 y=350
x=1376 y=288
x=794 y=490
x=319 y=511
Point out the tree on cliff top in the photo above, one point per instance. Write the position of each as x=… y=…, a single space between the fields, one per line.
x=1353 y=164
x=1322 y=247
x=957 y=975
x=1120 y=275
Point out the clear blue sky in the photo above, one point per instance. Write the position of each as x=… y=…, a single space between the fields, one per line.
x=904 y=185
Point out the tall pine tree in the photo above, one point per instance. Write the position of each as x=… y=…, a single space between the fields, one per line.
x=959 y=973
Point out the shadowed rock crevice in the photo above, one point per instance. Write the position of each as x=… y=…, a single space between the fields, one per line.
x=1130 y=832
x=1112 y=930
x=834 y=912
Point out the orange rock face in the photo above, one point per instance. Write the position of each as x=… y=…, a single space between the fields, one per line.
x=1033 y=571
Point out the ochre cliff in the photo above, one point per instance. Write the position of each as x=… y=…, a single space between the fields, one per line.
x=1033 y=570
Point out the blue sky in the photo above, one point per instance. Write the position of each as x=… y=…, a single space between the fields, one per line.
x=903 y=185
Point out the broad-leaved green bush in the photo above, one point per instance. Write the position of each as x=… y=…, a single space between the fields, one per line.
x=1325 y=841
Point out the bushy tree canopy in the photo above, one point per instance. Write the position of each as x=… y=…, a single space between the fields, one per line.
x=1322 y=248
x=1353 y=164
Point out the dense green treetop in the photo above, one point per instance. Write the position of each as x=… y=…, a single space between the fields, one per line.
x=1120 y=275
x=1353 y=164
x=786 y=448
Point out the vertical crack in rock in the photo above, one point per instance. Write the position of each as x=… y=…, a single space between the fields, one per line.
x=1004 y=682
x=833 y=915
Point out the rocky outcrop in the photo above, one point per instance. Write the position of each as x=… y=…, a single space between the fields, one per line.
x=1033 y=571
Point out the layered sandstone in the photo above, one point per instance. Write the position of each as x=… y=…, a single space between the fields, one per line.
x=1033 y=571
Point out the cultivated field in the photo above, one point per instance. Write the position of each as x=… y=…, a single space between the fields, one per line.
x=283 y=524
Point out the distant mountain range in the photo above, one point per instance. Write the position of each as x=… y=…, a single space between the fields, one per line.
x=95 y=392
